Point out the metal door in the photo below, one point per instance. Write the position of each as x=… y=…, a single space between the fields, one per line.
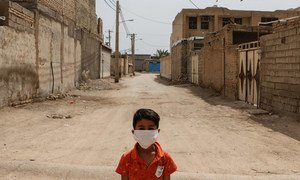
x=242 y=76
x=249 y=70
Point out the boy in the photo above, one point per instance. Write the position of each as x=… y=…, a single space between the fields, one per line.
x=147 y=160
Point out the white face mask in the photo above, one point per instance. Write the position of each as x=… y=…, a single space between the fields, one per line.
x=145 y=138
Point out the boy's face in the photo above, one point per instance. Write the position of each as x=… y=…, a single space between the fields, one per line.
x=145 y=124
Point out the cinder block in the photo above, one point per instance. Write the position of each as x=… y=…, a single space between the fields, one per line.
x=15 y=6
x=282 y=86
x=289 y=32
x=291 y=39
x=268 y=84
x=294 y=88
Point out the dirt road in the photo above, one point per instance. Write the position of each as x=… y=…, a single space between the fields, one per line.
x=207 y=135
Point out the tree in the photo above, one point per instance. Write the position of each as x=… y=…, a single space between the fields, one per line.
x=161 y=53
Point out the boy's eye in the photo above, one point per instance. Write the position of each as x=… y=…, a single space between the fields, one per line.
x=141 y=129
x=151 y=129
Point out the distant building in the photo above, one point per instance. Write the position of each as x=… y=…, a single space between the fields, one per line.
x=199 y=22
x=140 y=63
x=192 y=25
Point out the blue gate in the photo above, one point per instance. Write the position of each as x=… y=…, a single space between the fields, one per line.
x=154 y=67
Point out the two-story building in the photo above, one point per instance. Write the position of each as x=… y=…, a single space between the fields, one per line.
x=191 y=25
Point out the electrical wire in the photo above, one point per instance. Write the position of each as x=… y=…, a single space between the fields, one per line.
x=151 y=45
x=113 y=2
x=124 y=23
x=194 y=4
x=145 y=18
x=109 y=5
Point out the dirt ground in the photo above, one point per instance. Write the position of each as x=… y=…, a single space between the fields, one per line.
x=207 y=135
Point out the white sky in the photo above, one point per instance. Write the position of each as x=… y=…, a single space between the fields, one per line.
x=157 y=35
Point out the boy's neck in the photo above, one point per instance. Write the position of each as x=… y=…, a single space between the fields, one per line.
x=149 y=150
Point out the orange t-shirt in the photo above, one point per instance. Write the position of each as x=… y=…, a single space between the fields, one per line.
x=134 y=167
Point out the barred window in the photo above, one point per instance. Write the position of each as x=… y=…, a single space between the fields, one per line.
x=192 y=22
x=226 y=21
x=205 y=22
x=238 y=21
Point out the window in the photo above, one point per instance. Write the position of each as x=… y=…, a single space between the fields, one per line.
x=192 y=22
x=268 y=19
x=226 y=21
x=205 y=22
x=238 y=21
x=198 y=46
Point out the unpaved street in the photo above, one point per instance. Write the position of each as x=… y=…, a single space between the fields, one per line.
x=207 y=135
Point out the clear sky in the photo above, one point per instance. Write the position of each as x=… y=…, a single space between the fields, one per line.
x=153 y=18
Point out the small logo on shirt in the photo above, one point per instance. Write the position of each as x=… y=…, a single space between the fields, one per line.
x=159 y=171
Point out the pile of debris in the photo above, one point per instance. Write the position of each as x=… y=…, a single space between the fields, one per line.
x=97 y=84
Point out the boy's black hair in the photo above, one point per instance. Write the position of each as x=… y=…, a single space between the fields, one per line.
x=148 y=114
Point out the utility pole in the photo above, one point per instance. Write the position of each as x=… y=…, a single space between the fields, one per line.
x=117 y=53
x=133 y=52
x=109 y=37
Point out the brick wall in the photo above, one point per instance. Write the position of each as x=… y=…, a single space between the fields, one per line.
x=200 y=68
x=86 y=16
x=213 y=55
x=280 y=68
x=179 y=56
x=231 y=71
x=16 y=16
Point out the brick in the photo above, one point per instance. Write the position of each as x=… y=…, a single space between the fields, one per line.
x=294 y=87
x=291 y=39
x=15 y=6
x=282 y=86
x=284 y=93
x=289 y=32
x=290 y=108
x=268 y=84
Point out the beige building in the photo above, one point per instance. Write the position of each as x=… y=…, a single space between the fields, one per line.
x=192 y=25
x=199 y=22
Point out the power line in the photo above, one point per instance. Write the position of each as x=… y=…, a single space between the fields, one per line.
x=109 y=5
x=148 y=44
x=113 y=2
x=146 y=17
x=124 y=23
x=194 y=4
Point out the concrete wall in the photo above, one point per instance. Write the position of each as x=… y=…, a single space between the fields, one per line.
x=56 y=47
x=18 y=75
x=165 y=67
x=280 y=69
x=90 y=51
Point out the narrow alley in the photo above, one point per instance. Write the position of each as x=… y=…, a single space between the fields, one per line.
x=206 y=134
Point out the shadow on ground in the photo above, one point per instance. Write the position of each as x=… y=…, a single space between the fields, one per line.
x=277 y=122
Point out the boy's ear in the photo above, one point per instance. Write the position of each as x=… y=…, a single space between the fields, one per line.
x=132 y=131
x=158 y=130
